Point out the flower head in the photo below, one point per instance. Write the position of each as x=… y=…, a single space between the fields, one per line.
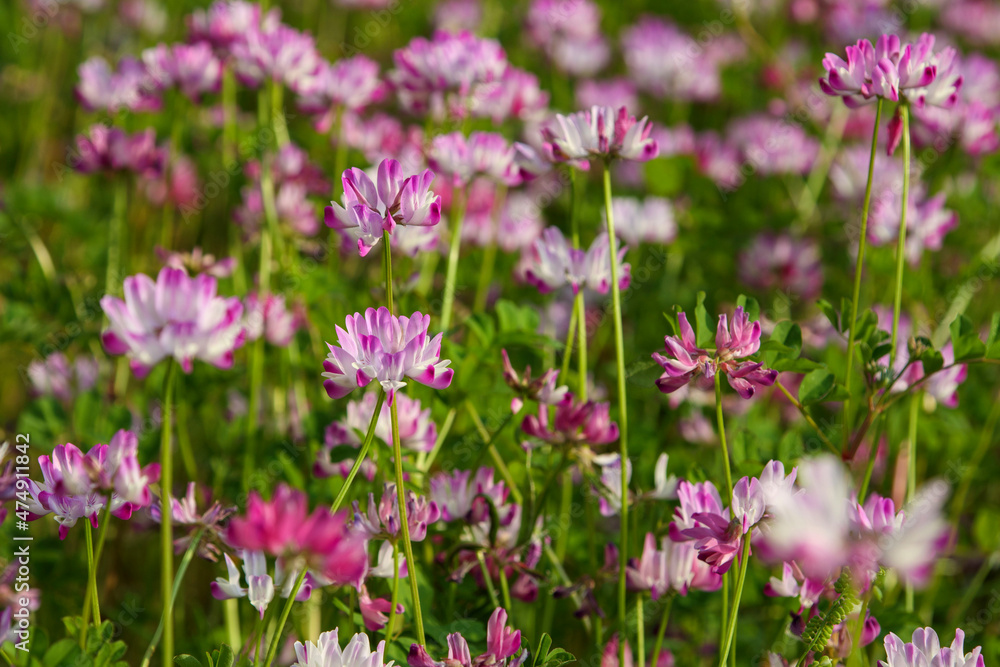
x=482 y=153
x=326 y=652
x=178 y=317
x=575 y=423
x=600 y=132
x=369 y=209
x=925 y=649
x=553 y=263
x=108 y=149
x=382 y=519
x=384 y=347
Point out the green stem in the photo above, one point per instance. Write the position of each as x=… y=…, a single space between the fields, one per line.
x=229 y=132
x=166 y=515
x=870 y=467
x=276 y=639
x=387 y=264
x=570 y=337
x=805 y=414
x=278 y=114
x=640 y=631
x=395 y=592
x=731 y=631
x=579 y=307
x=498 y=461
x=89 y=600
x=911 y=476
x=488 y=580
x=859 y=627
x=985 y=440
x=859 y=263
x=253 y=407
x=181 y=570
x=658 y=644
x=339 y=166
x=505 y=590
x=116 y=236
x=490 y=252
x=369 y=437
x=616 y=302
x=458 y=213
x=901 y=243
x=411 y=563
x=722 y=433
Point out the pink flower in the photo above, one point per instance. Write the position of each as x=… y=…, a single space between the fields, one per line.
x=326 y=651
x=672 y=567
x=460 y=499
x=650 y=220
x=192 y=68
x=611 y=92
x=542 y=389
x=278 y=52
x=368 y=210
x=385 y=348
x=569 y=31
x=55 y=377
x=483 y=153
x=283 y=527
x=260 y=587
x=601 y=132
x=348 y=84
x=224 y=22
x=925 y=649
x=129 y=88
x=773 y=145
x=553 y=263
x=177 y=316
x=272 y=319
x=382 y=520
x=197 y=261
x=575 y=423
x=514 y=95
x=782 y=262
x=502 y=644
x=373 y=611
x=106 y=148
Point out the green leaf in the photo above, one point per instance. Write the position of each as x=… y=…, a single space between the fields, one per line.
x=63 y=652
x=815 y=386
x=225 y=656
x=831 y=313
x=703 y=330
x=794 y=365
x=931 y=359
x=993 y=340
x=965 y=340
x=186 y=660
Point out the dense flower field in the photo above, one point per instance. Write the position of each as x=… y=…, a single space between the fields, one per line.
x=360 y=333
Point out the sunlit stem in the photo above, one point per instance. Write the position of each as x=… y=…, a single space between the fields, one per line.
x=640 y=631
x=166 y=515
x=734 y=615
x=411 y=564
x=458 y=215
x=901 y=243
x=276 y=639
x=622 y=409
x=722 y=433
x=362 y=454
x=858 y=267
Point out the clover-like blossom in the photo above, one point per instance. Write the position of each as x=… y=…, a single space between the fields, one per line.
x=192 y=68
x=925 y=649
x=283 y=527
x=381 y=521
x=460 y=498
x=427 y=70
x=514 y=95
x=383 y=347
x=80 y=486
x=688 y=361
x=868 y=73
x=575 y=423
x=54 y=376
x=349 y=83
x=277 y=52
x=794 y=584
x=177 y=316
x=326 y=652
x=108 y=149
x=184 y=511
x=368 y=210
x=637 y=221
x=224 y=23
x=782 y=262
x=129 y=87
x=271 y=319
x=260 y=586
x=197 y=261
x=502 y=646
x=417 y=431
x=373 y=610
x=542 y=389
x=673 y=566
x=482 y=153
x=599 y=133
x=553 y=263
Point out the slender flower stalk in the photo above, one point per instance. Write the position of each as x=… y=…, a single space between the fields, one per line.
x=664 y=619
x=579 y=308
x=116 y=236
x=181 y=570
x=362 y=454
x=339 y=165
x=458 y=215
x=91 y=597
x=391 y=624
x=731 y=630
x=166 y=514
x=901 y=245
x=722 y=432
x=276 y=639
x=911 y=471
x=859 y=264
x=640 y=631
x=490 y=252
x=616 y=304
x=411 y=576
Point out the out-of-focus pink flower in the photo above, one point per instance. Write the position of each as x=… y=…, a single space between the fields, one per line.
x=178 y=184
x=978 y=21
x=348 y=84
x=542 y=389
x=516 y=94
x=128 y=88
x=428 y=69
x=55 y=377
x=277 y=52
x=553 y=263
x=672 y=567
x=197 y=261
x=386 y=348
x=782 y=262
x=719 y=159
x=177 y=316
x=381 y=521
x=146 y=16
x=368 y=210
x=925 y=649
x=224 y=23
x=272 y=319
x=283 y=527
x=106 y=148
x=795 y=584
x=695 y=498
x=609 y=92
x=482 y=153
x=184 y=511
x=668 y=63
x=569 y=31
x=601 y=132
x=650 y=220
x=458 y=15
x=574 y=423
x=462 y=499
x=192 y=68
x=927 y=222
x=773 y=145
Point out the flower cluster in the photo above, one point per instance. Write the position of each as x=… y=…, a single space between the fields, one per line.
x=552 y=263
